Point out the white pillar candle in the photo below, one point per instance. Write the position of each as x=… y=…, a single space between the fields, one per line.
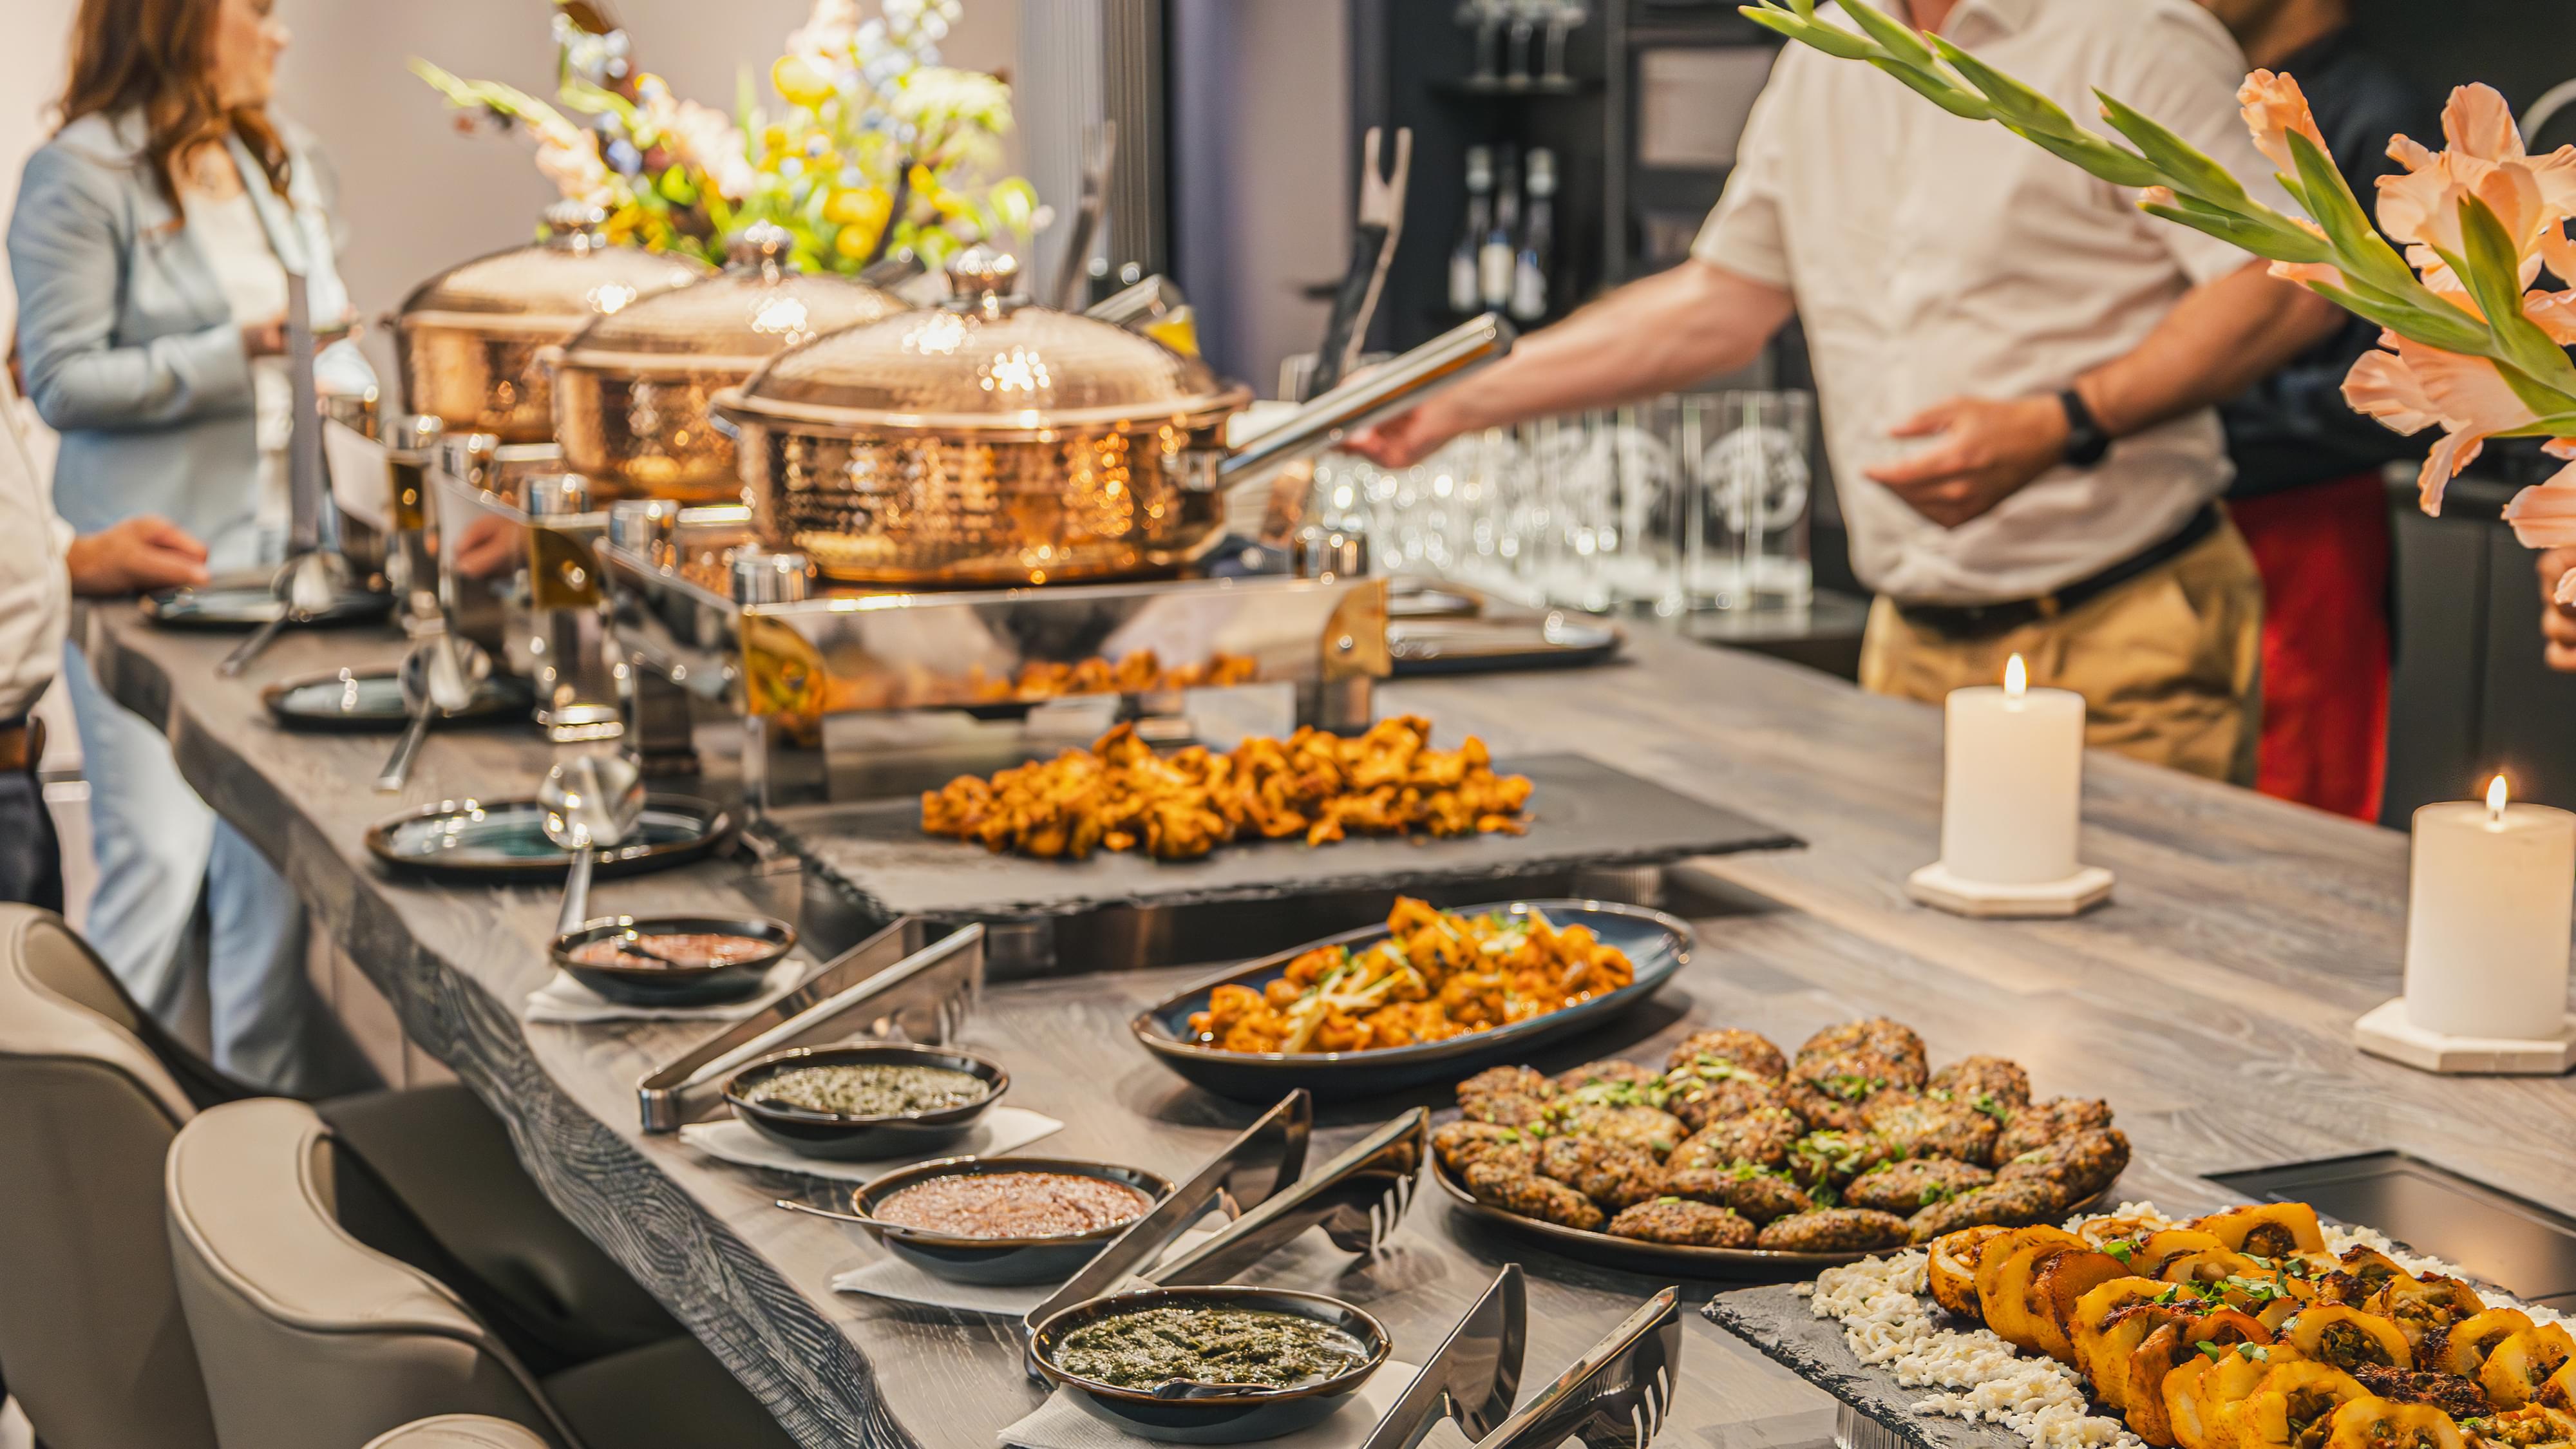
x=2012 y=782
x=2487 y=917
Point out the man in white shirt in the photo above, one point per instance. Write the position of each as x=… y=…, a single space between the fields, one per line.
x=41 y=566
x=2017 y=367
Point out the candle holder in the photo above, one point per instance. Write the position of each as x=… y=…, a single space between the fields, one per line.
x=2387 y=1031
x=1943 y=889
x=2012 y=788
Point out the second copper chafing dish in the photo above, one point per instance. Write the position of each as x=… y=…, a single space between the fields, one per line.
x=993 y=442
x=631 y=393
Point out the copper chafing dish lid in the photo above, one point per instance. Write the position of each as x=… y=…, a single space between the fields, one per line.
x=987 y=362
x=554 y=287
x=756 y=308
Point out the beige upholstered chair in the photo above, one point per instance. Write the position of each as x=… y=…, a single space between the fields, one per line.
x=459 y=1431
x=92 y=1093
x=314 y=1338
x=90 y=1328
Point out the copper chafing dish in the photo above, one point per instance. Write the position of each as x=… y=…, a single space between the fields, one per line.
x=992 y=442
x=631 y=393
x=473 y=339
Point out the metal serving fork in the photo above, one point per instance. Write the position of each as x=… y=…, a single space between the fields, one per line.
x=1615 y=1396
x=1475 y=1375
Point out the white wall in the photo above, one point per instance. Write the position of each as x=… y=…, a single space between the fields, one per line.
x=417 y=195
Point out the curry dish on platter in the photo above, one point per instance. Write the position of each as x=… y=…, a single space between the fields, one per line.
x=1436 y=975
x=1121 y=795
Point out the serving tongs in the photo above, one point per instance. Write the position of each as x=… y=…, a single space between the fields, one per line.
x=1090 y=216
x=1357 y=1198
x=1615 y=1396
x=908 y=982
x=1473 y=1378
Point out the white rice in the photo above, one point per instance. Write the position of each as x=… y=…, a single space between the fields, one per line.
x=1887 y=1323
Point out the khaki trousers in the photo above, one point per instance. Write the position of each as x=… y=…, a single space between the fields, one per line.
x=2169 y=663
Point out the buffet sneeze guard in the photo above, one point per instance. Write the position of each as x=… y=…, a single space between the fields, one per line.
x=699 y=608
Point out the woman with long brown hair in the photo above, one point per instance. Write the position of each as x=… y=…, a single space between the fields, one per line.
x=152 y=244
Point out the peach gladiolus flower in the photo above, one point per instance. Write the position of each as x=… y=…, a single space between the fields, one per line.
x=2544 y=515
x=2532 y=195
x=2417 y=387
x=2274 y=106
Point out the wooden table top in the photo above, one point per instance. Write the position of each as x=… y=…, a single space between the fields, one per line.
x=2211 y=1002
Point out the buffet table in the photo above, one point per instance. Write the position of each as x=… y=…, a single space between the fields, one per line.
x=2211 y=1002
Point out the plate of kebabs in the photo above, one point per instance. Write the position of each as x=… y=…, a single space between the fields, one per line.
x=1737 y=1160
x=1315 y=786
x=2257 y=1327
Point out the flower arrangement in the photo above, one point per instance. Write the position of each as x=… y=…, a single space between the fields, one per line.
x=872 y=148
x=2470 y=345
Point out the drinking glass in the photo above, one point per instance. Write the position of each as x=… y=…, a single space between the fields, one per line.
x=1744 y=533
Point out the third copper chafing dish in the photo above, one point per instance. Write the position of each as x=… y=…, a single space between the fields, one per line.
x=474 y=339
x=631 y=393
x=993 y=442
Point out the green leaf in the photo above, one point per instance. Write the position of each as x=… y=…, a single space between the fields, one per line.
x=2360 y=251
x=2445 y=327
x=1936 y=88
x=1831 y=39
x=2254 y=237
x=2186 y=169
x=2559 y=425
x=1896 y=35
x=2100 y=157
x=2494 y=278
x=2016 y=104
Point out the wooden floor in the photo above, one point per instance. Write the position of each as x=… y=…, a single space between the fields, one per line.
x=2211 y=1003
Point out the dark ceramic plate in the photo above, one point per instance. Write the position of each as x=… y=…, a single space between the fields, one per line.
x=1214 y=1418
x=1749 y=1265
x=1656 y=945
x=503 y=842
x=248 y=605
x=1554 y=640
x=837 y=1138
x=998 y=1260
x=370 y=700
x=698 y=985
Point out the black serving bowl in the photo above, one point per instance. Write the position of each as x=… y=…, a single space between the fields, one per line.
x=675 y=985
x=837 y=1138
x=997 y=1260
x=1657 y=946
x=1216 y=1418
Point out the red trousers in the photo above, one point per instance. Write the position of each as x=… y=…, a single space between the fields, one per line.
x=2323 y=553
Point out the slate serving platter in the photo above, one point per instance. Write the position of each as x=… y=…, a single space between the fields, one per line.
x=1785 y=1328
x=1581 y=813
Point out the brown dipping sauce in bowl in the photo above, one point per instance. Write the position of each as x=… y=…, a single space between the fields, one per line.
x=1013 y=1205
x=693 y=949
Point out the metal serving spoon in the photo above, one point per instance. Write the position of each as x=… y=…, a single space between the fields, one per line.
x=440 y=675
x=591 y=801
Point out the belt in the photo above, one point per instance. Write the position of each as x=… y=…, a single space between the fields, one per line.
x=22 y=745
x=1988 y=621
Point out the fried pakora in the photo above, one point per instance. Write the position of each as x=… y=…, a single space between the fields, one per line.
x=1434 y=976
x=1121 y=795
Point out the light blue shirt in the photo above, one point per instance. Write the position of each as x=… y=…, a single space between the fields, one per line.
x=132 y=353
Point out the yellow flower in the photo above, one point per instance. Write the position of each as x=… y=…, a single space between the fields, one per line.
x=798 y=83
x=856 y=241
x=862 y=207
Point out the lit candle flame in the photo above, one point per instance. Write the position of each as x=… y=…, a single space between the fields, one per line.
x=2495 y=798
x=2016 y=678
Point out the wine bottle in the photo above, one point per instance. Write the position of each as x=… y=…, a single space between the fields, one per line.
x=1538 y=240
x=1494 y=258
x=1465 y=295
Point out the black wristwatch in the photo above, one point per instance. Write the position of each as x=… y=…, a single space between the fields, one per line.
x=2086 y=443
